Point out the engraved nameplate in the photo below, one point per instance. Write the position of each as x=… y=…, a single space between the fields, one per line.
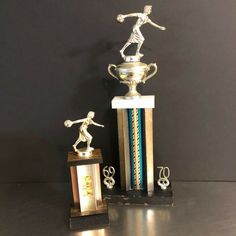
x=85 y=175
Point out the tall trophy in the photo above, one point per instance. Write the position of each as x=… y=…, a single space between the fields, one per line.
x=135 y=122
x=89 y=209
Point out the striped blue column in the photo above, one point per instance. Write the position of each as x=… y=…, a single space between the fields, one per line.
x=136 y=152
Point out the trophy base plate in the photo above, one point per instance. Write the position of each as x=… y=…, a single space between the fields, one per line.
x=84 y=152
x=139 y=197
x=133 y=58
x=88 y=220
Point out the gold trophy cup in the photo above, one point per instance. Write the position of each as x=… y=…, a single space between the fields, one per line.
x=132 y=73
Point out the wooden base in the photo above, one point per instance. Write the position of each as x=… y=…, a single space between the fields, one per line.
x=159 y=197
x=74 y=159
x=90 y=219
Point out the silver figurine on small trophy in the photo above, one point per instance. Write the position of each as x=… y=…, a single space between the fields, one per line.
x=132 y=71
x=84 y=135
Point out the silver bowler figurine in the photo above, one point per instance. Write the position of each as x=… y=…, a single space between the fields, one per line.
x=136 y=35
x=132 y=72
x=84 y=135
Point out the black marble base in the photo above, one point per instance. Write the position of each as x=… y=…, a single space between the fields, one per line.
x=88 y=220
x=159 y=197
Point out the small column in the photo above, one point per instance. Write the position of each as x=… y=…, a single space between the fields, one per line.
x=149 y=150
x=89 y=209
x=124 y=152
x=130 y=129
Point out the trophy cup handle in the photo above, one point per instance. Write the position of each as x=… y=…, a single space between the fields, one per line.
x=110 y=70
x=154 y=65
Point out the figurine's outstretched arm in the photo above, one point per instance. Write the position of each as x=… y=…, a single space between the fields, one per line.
x=96 y=124
x=131 y=15
x=156 y=25
x=69 y=123
x=78 y=121
x=120 y=18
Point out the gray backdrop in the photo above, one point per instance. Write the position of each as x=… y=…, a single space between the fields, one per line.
x=53 y=66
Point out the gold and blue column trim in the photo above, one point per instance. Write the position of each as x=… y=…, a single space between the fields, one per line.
x=136 y=152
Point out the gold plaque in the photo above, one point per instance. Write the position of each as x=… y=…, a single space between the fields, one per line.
x=85 y=175
x=87 y=186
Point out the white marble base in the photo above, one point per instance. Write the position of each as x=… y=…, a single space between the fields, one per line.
x=119 y=102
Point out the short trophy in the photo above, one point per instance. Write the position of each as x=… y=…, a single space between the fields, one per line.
x=135 y=125
x=132 y=72
x=89 y=209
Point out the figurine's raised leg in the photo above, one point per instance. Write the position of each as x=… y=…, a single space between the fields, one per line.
x=89 y=140
x=75 y=145
x=123 y=49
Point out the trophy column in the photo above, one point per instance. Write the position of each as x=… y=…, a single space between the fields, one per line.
x=89 y=209
x=136 y=163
